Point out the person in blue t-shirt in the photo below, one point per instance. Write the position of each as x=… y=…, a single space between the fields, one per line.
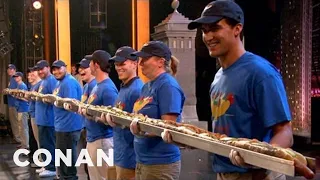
x=11 y=70
x=100 y=136
x=124 y=155
x=89 y=79
x=248 y=98
x=66 y=124
x=161 y=98
x=22 y=107
x=45 y=118
x=34 y=80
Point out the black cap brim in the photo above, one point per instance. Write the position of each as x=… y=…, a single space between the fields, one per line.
x=37 y=68
x=141 y=54
x=117 y=59
x=84 y=66
x=203 y=20
x=56 y=66
x=31 y=69
x=18 y=75
x=89 y=57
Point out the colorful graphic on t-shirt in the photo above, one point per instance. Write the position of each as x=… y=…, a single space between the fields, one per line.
x=56 y=91
x=220 y=103
x=120 y=105
x=140 y=103
x=92 y=97
x=40 y=89
x=84 y=97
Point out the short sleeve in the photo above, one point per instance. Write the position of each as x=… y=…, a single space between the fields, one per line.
x=170 y=100
x=271 y=101
x=109 y=97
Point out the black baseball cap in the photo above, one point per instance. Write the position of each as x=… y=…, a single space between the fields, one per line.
x=217 y=10
x=17 y=74
x=58 y=64
x=11 y=66
x=99 y=56
x=84 y=63
x=123 y=54
x=154 y=48
x=41 y=64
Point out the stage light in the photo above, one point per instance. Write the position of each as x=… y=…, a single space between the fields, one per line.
x=37 y=4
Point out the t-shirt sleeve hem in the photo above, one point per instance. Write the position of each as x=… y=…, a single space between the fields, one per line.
x=272 y=123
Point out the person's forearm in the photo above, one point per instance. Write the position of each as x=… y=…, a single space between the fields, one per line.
x=150 y=135
x=283 y=139
x=23 y=99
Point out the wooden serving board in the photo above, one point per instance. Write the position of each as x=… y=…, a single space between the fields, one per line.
x=93 y=112
x=250 y=157
x=74 y=107
x=49 y=98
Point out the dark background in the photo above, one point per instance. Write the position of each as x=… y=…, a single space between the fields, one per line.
x=261 y=31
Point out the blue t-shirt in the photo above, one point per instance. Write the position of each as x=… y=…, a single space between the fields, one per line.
x=104 y=94
x=32 y=104
x=29 y=86
x=158 y=97
x=247 y=99
x=66 y=121
x=44 y=111
x=124 y=155
x=87 y=88
x=12 y=85
x=21 y=105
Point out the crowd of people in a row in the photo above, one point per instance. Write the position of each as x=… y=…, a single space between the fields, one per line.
x=248 y=99
x=57 y=128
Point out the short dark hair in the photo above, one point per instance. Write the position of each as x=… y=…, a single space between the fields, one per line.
x=105 y=67
x=233 y=23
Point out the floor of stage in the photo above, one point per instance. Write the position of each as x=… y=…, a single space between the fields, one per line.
x=195 y=164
